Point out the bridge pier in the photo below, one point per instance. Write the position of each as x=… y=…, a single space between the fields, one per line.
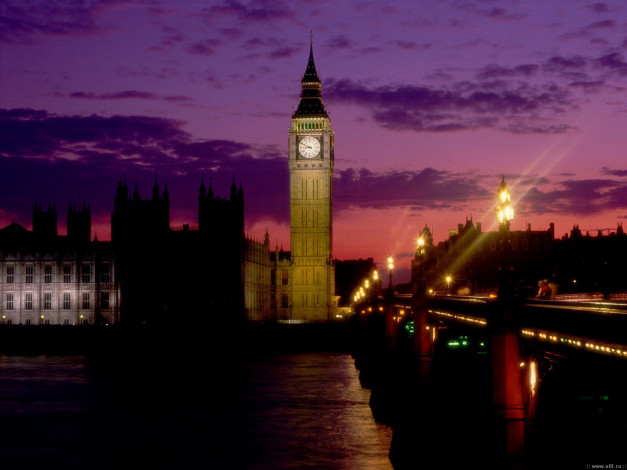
x=391 y=326
x=423 y=343
x=507 y=392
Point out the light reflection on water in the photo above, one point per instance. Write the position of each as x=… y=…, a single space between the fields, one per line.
x=271 y=412
x=309 y=411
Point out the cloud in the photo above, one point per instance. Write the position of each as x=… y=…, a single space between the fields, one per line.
x=612 y=63
x=599 y=7
x=580 y=197
x=613 y=172
x=252 y=11
x=273 y=47
x=127 y=94
x=43 y=154
x=206 y=47
x=497 y=13
x=425 y=189
x=22 y=22
x=493 y=71
x=512 y=107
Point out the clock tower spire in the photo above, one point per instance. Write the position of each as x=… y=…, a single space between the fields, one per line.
x=310 y=160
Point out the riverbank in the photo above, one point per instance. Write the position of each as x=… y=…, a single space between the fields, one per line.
x=235 y=338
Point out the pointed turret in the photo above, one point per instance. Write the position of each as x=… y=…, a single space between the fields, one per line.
x=233 y=190
x=311 y=92
x=155 y=191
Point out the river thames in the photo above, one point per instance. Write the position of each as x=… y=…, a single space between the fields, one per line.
x=165 y=411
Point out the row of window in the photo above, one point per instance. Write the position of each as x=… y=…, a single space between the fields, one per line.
x=525 y=244
x=305 y=126
x=284 y=277
x=105 y=274
x=43 y=321
x=66 y=302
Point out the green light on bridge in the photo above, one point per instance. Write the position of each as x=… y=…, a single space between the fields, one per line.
x=461 y=342
x=409 y=327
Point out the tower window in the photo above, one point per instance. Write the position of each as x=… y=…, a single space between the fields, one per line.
x=67 y=302
x=284 y=301
x=10 y=301
x=86 y=300
x=10 y=274
x=47 y=300
x=29 y=274
x=284 y=277
x=28 y=301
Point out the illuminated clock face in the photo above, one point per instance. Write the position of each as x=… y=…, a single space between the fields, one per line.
x=309 y=147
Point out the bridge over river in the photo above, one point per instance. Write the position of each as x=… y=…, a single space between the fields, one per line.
x=497 y=382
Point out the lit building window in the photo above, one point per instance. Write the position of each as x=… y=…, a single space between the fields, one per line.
x=67 y=273
x=104 y=300
x=67 y=302
x=28 y=301
x=47 y=300
x=48 y=274
x=10 y=301
x=29 y=274
x=284 y=277
x=10 y=274
x=86 y=273
x=86 y=300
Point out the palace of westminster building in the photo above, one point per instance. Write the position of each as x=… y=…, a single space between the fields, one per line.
x=152 y=273
x=46 y=278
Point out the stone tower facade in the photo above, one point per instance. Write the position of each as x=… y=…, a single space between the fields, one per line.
x=311 y=195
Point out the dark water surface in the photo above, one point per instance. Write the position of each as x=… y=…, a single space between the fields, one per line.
x=164 y=411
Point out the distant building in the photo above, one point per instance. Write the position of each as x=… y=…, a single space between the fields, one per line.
x=474 y=259
x=151 y=272
x=183 y=275
x=49 y=279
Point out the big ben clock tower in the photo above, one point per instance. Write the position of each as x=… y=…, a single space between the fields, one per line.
x=311 y=196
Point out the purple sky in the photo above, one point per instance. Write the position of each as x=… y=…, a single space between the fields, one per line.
x=431 y=103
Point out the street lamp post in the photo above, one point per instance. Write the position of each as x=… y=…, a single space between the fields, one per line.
x=504 y=217
x=390 y=268
x=504 y=209
x=420 y=252
x=448 y=283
